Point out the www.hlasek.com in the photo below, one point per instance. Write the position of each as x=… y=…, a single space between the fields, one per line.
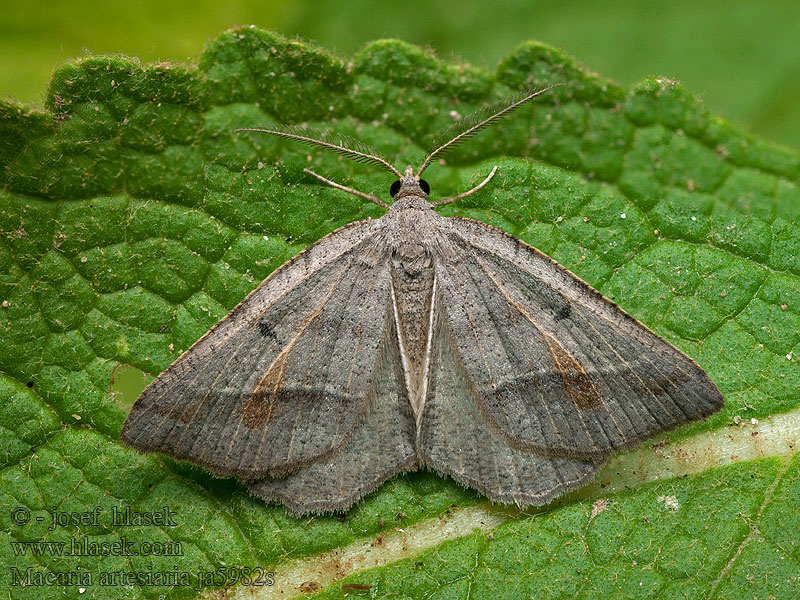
x=86 y=546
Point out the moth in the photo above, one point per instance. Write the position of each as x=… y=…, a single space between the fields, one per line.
x=416 y=340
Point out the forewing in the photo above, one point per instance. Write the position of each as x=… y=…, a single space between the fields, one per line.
x=456 y=439
x=557 y=367
x=382 y=445
x=285 y=376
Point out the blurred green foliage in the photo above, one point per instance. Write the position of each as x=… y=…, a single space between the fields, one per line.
x=742 y=57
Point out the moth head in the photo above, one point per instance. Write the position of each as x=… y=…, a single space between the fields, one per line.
x=410 y=185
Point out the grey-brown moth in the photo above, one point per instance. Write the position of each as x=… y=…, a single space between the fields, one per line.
x=417 y=340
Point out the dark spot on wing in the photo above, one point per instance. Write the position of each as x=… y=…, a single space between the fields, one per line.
x=563 y=311
x=266 y=330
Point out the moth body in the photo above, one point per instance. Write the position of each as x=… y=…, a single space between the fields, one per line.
x=411 y=226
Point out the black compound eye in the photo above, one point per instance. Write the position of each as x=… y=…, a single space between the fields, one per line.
x=395 y=188
x=424 y=186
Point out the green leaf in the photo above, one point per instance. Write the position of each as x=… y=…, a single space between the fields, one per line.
x=132 y=219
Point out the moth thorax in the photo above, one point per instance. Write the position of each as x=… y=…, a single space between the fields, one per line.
x=413 y=258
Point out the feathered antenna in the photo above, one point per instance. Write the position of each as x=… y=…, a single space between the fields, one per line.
x=471 y=124
x=339 y=143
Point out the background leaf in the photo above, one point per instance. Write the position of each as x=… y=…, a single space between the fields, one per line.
x=744 y=58
x=133 y=219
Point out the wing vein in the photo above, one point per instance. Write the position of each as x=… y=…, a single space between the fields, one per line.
x=548 y=339
x=654 y=366
x=504 y=342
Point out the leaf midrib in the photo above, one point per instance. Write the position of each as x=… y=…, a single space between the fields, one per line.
x=624 y=472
